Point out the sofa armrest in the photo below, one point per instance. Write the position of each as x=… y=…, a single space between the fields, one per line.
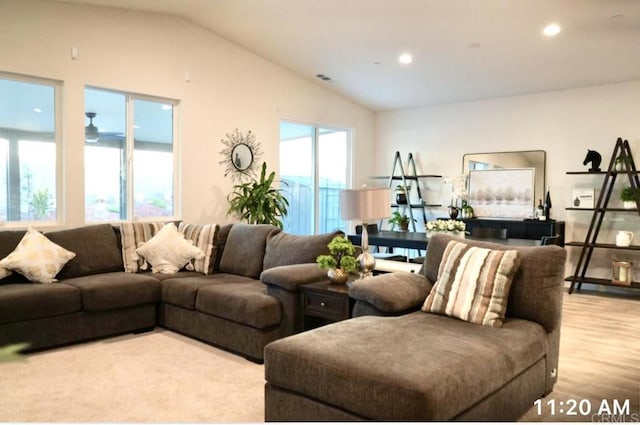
x=392 y=292
x=289 y=277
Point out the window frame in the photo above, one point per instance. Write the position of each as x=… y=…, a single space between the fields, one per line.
x=315 y=177
x=58 y=129
x=130 y=98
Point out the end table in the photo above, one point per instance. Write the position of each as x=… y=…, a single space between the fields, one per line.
x=322 y=302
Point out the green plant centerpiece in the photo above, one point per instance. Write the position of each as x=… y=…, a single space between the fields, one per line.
x=257 y=202
x=629 y=197
x=340 y=260
x=401 y=220
x=453 y=227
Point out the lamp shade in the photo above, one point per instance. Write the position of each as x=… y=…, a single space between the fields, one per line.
x=365 y=204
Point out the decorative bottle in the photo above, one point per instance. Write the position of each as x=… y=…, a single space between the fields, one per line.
x=547 y=204
x=540 y=211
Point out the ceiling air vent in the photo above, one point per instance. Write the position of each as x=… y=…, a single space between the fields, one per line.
x=323 y=77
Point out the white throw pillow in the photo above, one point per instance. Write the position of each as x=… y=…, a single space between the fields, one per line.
x=4 y=272
x=37 y=258
x=168 y=251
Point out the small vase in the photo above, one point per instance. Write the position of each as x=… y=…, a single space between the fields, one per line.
x=401 y=198
x=338 y=276
x=453 y=212
x=629 y=205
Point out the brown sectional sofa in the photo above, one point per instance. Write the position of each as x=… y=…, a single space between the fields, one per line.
x=230 y=308
x=393 y=363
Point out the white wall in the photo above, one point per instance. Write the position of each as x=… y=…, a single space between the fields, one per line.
x=564 y=124
x=149 y=54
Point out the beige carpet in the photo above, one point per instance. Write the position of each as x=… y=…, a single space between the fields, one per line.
x=162 y=376
x=158 y=376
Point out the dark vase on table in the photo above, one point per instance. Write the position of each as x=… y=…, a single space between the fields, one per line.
x=453 y=212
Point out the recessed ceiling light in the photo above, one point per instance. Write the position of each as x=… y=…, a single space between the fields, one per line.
x=323 y=77
x=551 y=30
x=405 y=58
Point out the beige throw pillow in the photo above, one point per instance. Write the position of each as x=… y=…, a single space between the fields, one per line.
x=37 y=258
x=473 y=284
x=132 y=236
x=4 y=272
x=168 y=251
x=204 y=237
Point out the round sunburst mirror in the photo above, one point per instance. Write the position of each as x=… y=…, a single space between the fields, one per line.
x=241 y=153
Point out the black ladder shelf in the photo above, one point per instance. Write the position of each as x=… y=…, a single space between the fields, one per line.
x=621 y=150
x=411 y=176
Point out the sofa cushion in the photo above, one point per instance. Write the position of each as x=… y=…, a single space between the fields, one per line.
x=244 y=249
x=37 y=258
x=284 y=249
x=536 y=290
x=221 y=240
x=204 y=237
x=473 y=284
x=391 y=292
x=245 y=303
x=132 y=236
x=107 y=291
x=425 y=366
x=182 y=290
x=24 y=301
x=168 y=251
x=96 y=249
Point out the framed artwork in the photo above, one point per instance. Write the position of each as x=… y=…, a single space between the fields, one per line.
x=583 y=198
x=502 y=193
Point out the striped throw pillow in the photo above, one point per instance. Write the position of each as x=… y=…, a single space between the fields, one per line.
x=473 y=284
x=133 y=236
x=203 y=237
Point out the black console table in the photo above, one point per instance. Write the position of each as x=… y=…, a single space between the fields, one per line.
x=521 y=229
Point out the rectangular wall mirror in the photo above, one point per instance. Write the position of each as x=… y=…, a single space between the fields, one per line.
x=534 y=160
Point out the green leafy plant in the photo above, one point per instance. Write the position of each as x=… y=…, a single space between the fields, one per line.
x=403 y=189
x=40 y=203
x=401 y=220
x=10 y=353
x=341 y=255
x=257 y=202
x=630 y=194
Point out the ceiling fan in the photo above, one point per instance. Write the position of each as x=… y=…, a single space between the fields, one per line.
x=91 y=131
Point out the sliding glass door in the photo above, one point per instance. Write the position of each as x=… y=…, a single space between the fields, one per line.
x=315 y=164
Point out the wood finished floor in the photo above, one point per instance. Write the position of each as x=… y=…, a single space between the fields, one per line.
x=599 y=358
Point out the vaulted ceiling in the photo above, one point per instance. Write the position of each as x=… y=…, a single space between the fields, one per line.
x=462 y=50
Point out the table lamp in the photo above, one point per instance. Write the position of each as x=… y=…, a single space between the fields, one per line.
x=367 y=205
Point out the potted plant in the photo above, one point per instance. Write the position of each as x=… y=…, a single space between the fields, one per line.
x=340 y=260
x=401 y=220
x=619 y=163
x=402 y=194
x=629 y=197
x=257 y=202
